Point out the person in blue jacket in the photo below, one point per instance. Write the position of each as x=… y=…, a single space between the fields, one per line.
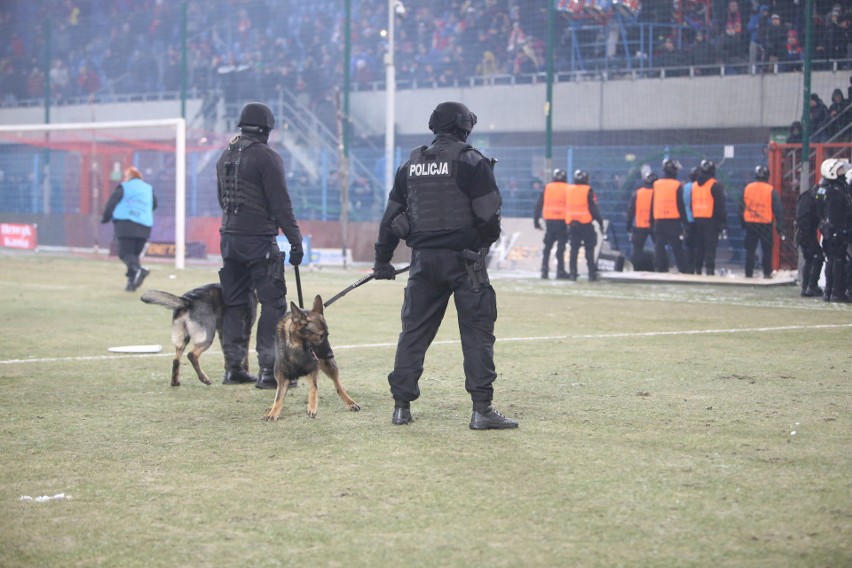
x=131 y=210
x=689 y=225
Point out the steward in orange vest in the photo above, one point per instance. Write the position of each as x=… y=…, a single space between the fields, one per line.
x=708 y=211
x=667 y=217
x=551 y=207
x=760 y=208
x=639 y=217
x=581 y=208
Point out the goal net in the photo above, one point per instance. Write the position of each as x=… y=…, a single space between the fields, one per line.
x=56 y=178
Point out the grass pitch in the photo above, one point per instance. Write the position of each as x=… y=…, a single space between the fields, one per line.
x=660 y=426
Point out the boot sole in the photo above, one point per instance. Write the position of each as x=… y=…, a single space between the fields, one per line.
x=493 y=426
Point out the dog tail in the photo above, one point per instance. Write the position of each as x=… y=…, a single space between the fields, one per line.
x=164 y=299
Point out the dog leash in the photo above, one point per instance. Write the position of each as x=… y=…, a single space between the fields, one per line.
x=354 y=285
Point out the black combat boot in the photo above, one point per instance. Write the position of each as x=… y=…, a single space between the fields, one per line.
x=401 y=413
x=140 y=277
x=489 y=419
x=238 y=377
x=266 y=379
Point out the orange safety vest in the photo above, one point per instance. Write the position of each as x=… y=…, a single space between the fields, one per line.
x=577 y=204
x=665 y=199
x=554 y=201
x=702 y=200
x=642 y=218
x=757 y=198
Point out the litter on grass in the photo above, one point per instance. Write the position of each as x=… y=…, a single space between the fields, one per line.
x=45 y=498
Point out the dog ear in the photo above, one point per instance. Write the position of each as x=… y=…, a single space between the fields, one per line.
x=297 y=311
x=317 y=305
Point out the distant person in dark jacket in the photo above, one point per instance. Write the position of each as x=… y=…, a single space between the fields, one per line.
x=702 y=53
x=838 y=119
x=795 y=135
x=819 y=118
x=131 y=209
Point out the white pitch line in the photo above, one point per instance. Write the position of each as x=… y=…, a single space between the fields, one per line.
x=456 y=341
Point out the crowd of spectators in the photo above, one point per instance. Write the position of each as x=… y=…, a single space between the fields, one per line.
x=757 y=35
x=828 y=122
x=241 y=47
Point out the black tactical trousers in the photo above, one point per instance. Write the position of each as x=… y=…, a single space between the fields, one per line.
x=754 y=233
x=435 y=275
x=637 y=241
x=582 y=234
x=813 y=257
x=555 y=232
x=706 y=242
x=668 y=232
x=251 y=264
x=835 y=266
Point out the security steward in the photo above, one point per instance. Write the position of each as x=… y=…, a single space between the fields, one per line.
x=639 y=218
x=689 y=226
x=581 y=208
x=252 y=193
x=550 y=206
x=668 y=216
x=445 y=204
x=760 y=209
x=807 y=239
x=835 y=228
x=708 y=212
x=131 y=209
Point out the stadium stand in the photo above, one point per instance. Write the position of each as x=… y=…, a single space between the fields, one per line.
x=223 y=53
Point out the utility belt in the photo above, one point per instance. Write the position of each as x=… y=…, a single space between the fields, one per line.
x=477 y=270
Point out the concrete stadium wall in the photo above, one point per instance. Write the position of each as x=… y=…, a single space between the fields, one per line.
x=757 y=102
x=736 y=102
x=106 y=112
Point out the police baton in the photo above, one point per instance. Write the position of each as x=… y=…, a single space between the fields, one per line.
x=298 y=285
x=354 y=285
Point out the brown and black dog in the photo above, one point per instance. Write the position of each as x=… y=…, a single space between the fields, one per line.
x=196 y=317
x=302 y=350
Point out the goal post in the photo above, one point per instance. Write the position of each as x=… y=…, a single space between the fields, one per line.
x=22 y=169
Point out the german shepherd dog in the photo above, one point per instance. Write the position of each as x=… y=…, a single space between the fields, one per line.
x=196 y=318
x=302 y=350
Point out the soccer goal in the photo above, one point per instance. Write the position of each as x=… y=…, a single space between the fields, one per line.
x=57 y=177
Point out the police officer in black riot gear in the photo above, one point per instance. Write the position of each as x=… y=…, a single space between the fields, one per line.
x=252 y=193
x=835 y=227
x=807 y=224
x=445 y=204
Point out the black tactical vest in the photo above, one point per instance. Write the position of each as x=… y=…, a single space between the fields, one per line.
x=435 y=200
x=239 y=196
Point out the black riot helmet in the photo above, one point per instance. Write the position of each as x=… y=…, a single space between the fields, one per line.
x=707 y=167
x=761 y=173
x=453 y=118
x=257 y=115
x=671 y=167
x=560 y=175
x=649 y=179
x=693 y=174
x=581 y=177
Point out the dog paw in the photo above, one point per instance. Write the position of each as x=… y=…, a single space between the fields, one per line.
x=354 y=407
x=312 y=413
